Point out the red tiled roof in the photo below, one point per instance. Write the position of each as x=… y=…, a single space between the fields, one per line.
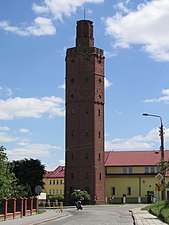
x=57 y=173
x=134 y=158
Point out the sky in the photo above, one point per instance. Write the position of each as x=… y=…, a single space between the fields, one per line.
x=34 y=36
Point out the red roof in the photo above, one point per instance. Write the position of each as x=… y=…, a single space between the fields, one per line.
x=57 y=173
x=134 y=158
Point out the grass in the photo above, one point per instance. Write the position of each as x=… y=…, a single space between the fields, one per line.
x=161 y=210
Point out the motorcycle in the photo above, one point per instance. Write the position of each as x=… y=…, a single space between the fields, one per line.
x=79 y=205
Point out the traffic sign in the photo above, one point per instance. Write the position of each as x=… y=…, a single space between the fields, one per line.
x=158 y=187
x=159 y=177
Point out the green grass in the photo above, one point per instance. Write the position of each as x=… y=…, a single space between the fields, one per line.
x=40 y=211
x=161 y=210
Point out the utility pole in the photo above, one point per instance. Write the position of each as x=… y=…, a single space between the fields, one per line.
x=163 y=194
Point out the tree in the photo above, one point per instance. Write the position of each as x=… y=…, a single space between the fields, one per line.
x=79 y=194
x=7 y=178
x=29 y=173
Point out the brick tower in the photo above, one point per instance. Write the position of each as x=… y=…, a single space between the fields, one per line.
x=84 y=168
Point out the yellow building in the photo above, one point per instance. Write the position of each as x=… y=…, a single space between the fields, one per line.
x=54 y=181
x=131 y=176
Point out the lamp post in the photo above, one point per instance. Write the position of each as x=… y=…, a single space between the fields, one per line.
x=162 y=152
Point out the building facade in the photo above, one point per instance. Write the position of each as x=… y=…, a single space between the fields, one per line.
x=131 y=176
x=84 y=167
x=54 y=182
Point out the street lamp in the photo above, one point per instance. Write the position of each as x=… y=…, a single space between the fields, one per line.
x=162 y=152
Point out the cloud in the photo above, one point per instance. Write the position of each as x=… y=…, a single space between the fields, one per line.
x=164 y=99
x=31 y=150
x=5 y=137
x=40 y=26
x=62 y=86
x=146 y=26
x=24 y=130
x=138 y=142
x=5 y=91
x=107 y=83
x=58 y=9
x=18 y=108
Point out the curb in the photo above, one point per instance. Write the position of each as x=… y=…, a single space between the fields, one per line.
x=49 y=219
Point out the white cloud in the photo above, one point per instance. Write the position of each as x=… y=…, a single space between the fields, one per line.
x=146 y=26
x=58 y=9
x=107 y=83
x=5 y=137
x=14 y=108
x=40 y=26
x=5 y=91
x=62 y=86
x=163 y=99
x=138 y=142
x=28 y=150
x=24 y=130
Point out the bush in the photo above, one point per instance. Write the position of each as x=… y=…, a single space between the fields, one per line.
x=161 y=210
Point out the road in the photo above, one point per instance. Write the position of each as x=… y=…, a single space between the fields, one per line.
x=97 y=215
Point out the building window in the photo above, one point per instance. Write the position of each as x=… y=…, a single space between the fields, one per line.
x=50 y=192
x=60 y=191
x=124 y=169
x=130 y=169
x=57 y=182
x=56 y=191
x=53 y=181
x=72 y=96
x=113 y=190
x=128 y=190
x=100 y=80
x=72 y=156
x=50 y=182
x=53 y=191
x=100 y=176
x=99 y=157
x=98 y=112
x=146 y=169
x=72 y=111
x=60 y=181
x=152 y=169
x=72 y=80
x=99 y=134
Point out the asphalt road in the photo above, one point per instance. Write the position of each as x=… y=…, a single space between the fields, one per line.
x=97 y=215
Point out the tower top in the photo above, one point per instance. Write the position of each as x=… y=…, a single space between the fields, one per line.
x=84 y=33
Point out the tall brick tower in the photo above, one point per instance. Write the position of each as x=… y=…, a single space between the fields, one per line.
x=84 y=168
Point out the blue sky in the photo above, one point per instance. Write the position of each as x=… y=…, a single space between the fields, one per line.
x=34 y=37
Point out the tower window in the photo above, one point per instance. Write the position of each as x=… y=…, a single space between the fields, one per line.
x=72 y=156
x=100 y=176
x=86 y=79
x=99 y=157
x=87 y=175
x=99 y=135
x=72 y=95
x=72 y=80
x=86 y=133
x=98 y=112
x=72 y=60
x=100 y=80
x=72 y=111
x=113 y=190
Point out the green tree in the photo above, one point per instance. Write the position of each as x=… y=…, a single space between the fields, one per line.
x=7 y=178
x=80 y=194
x=29 y=173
